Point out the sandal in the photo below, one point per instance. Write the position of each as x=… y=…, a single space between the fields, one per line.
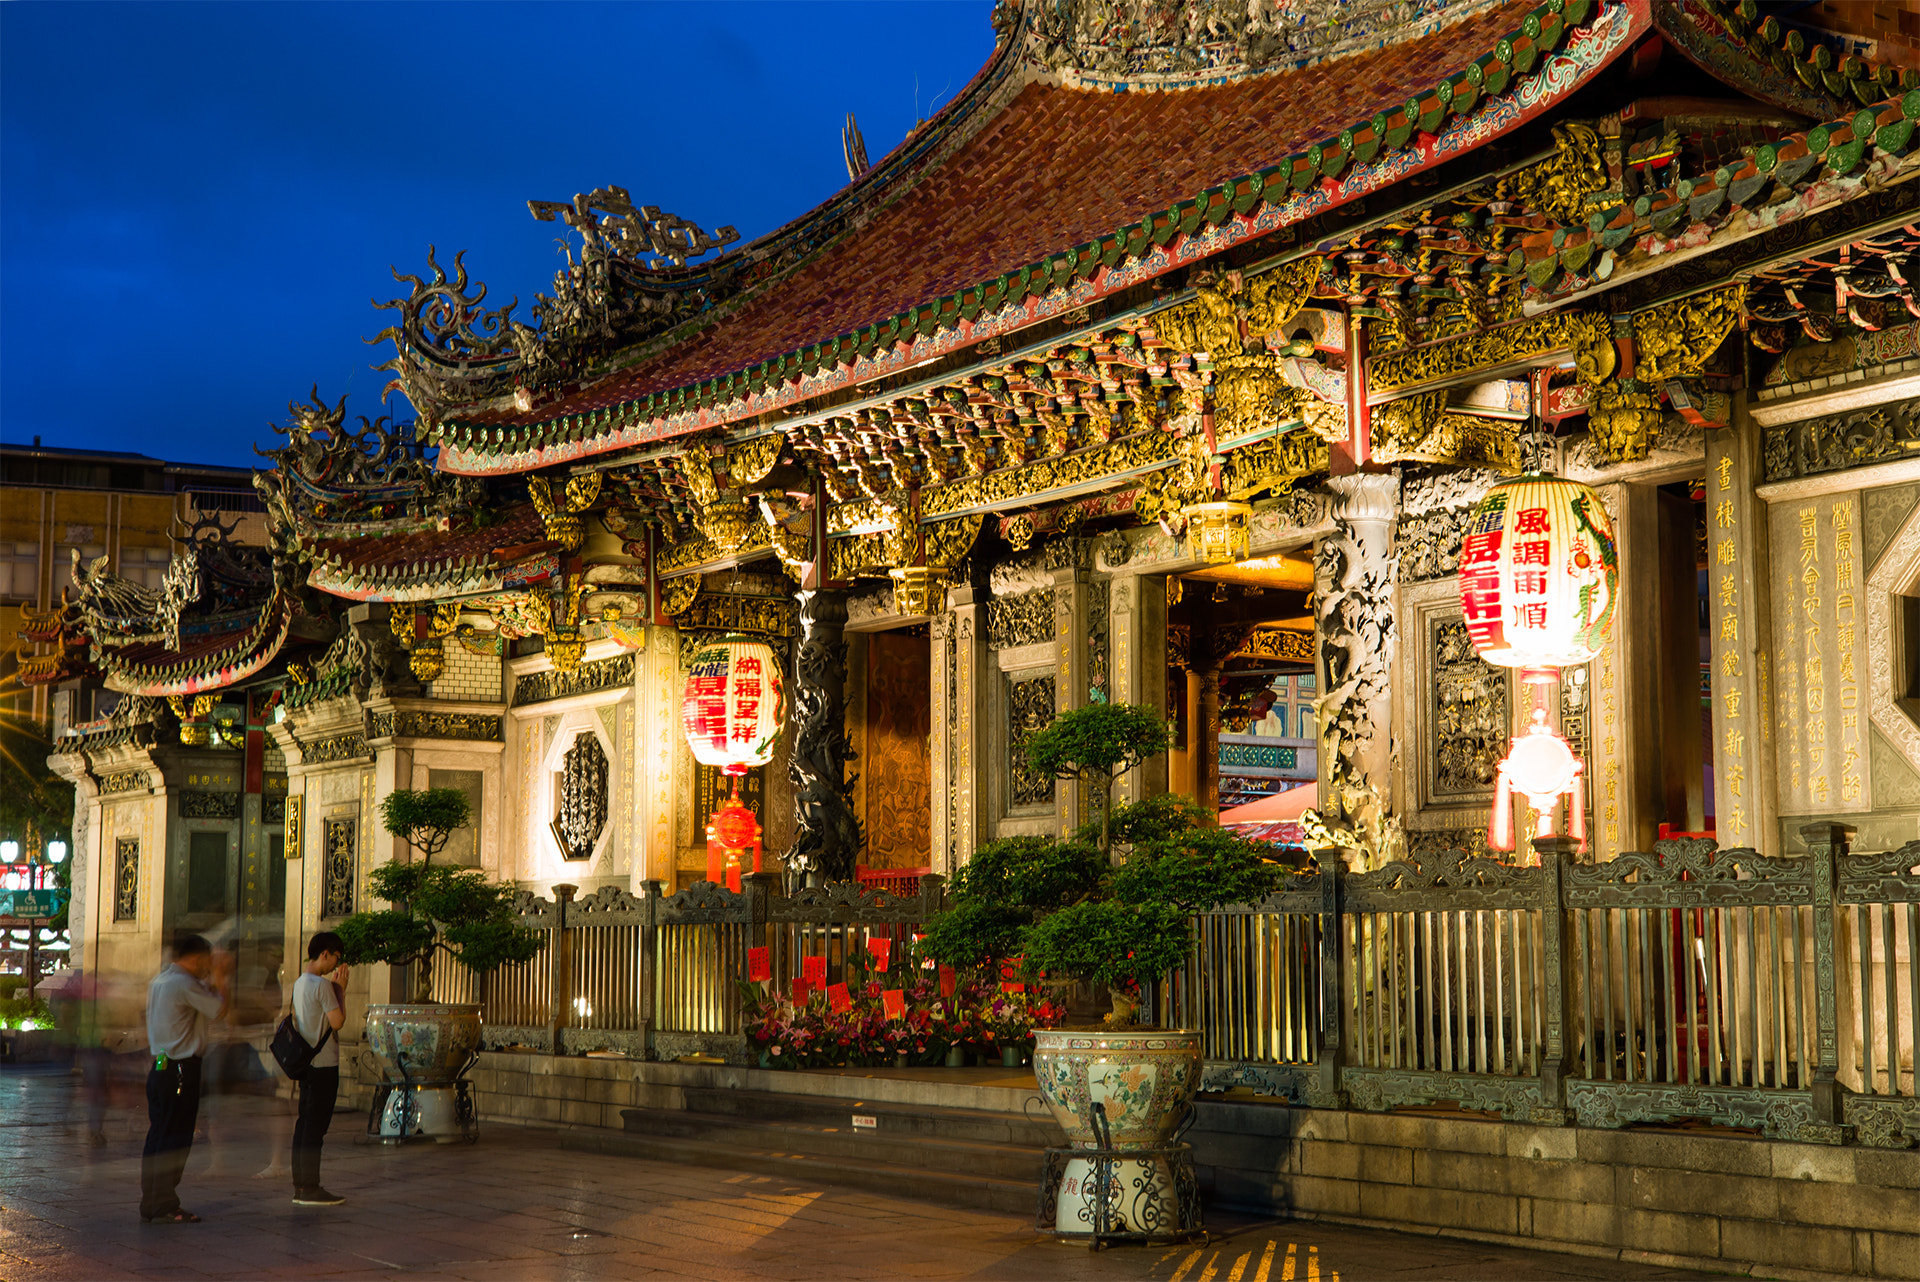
x=171 y=1217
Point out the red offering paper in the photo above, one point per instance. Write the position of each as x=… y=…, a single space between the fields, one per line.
x=947 y=981
x=839 y=999
x=800 y=992
x=1010 y=968
x=894 y=1002
x=882 y=950
x=1013 y=988
x=814 y=970
x=758 y=967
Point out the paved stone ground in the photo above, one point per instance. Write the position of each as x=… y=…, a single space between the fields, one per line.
x=517 y=1207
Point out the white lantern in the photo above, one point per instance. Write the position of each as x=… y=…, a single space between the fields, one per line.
x=1538 y=574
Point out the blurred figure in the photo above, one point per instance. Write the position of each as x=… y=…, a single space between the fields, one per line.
x=258 y=1008
x=188 y=993
x=319 y=1009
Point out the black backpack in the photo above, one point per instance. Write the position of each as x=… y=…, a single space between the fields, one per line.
x=293 y=1052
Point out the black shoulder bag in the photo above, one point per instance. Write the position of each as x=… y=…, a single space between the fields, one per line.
x=293 y=1052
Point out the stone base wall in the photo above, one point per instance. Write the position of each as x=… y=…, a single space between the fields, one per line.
x=1720 y=1202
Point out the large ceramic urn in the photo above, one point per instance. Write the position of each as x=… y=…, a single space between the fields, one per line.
x=1144 y=1080
x=431 y=1043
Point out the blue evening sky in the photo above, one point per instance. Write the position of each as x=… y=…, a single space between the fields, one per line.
x=198 y=201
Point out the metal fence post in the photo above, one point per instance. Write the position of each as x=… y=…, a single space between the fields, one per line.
x=760 y=888
x=562 y=966
x=1826 y=841
x=1555 y=852
x=1333 y=1007
x=648 y=962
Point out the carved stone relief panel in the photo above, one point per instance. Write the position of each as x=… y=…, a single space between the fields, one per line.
x=1030 y=707
x=1026 y=619
x=1468 y=704
x=339 y=862
x=1429 y=543
x=1099 y=641
x=126 y=879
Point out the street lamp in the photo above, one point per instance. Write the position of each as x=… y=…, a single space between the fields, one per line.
x=56 y=851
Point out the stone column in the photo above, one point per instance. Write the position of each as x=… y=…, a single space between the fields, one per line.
x=1139 y=632
x=1204 y=659
x=1621 y=764
x=970 y=685
x=659 y=768
x=1355 y=570
x=1740 y=619
x=1067 y=562
x=827 y=837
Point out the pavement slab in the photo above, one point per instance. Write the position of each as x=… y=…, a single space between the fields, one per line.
x=515 y=1207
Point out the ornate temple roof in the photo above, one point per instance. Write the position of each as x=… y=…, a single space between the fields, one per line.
x=1038 y=191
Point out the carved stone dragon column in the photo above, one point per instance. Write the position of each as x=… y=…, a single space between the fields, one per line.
x=827 y=836
x=1355 y=569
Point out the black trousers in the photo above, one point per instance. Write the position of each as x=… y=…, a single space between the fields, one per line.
x=173 y=1105
x=318 y=1091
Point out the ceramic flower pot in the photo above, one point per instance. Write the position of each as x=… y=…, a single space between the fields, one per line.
x=1010 y=1057
x=433 y=1042
x=1145 y=1080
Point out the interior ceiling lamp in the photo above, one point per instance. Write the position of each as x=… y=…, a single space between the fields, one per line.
x=731 y=712
x=1218 y=531
x=1538 y=583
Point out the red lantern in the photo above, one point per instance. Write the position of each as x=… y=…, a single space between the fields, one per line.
x=731 y=710
x=1538 y=575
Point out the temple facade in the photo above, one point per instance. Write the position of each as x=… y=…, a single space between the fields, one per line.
x=1164 y=366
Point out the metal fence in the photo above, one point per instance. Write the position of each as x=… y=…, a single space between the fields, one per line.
x=661 y=976
x=1687 y=983
x=1777 y=995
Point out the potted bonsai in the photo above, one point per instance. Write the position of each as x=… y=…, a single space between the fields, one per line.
x=1067 y=911
x=437 y=910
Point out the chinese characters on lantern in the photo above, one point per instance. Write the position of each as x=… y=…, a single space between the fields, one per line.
x=1817 y=629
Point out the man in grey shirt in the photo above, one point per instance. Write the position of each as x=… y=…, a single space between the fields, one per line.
x=179 y=1004
x=319 y=1009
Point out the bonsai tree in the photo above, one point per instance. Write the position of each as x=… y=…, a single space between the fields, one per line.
x=436 y=908
x=1097 y=744
x=1064 y=909
x=1005 y=888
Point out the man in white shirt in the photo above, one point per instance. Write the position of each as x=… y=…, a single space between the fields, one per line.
x=179 y=1004
x=319 y=1009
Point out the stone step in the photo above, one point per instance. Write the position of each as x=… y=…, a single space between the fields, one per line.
x=952 y=1188
x=842 y=1142
x=1037 y=1130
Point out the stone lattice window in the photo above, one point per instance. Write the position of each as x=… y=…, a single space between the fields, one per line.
x=583 y=798
x=1030 y=707
x=126 y=879
x=339 y=860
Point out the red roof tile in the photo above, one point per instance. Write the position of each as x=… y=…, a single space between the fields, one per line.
x=1056 y=168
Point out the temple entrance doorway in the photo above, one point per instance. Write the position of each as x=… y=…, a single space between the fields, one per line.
x=1241 y=680
x=889 y=723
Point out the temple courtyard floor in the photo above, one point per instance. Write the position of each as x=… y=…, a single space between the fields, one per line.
x=515 y=1206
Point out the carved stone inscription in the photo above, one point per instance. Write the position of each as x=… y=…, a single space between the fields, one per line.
x=1020 y=620
x=1820 y=663
x=1469 y=713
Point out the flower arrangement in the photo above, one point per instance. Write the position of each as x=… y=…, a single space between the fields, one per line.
x=935 y=1010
